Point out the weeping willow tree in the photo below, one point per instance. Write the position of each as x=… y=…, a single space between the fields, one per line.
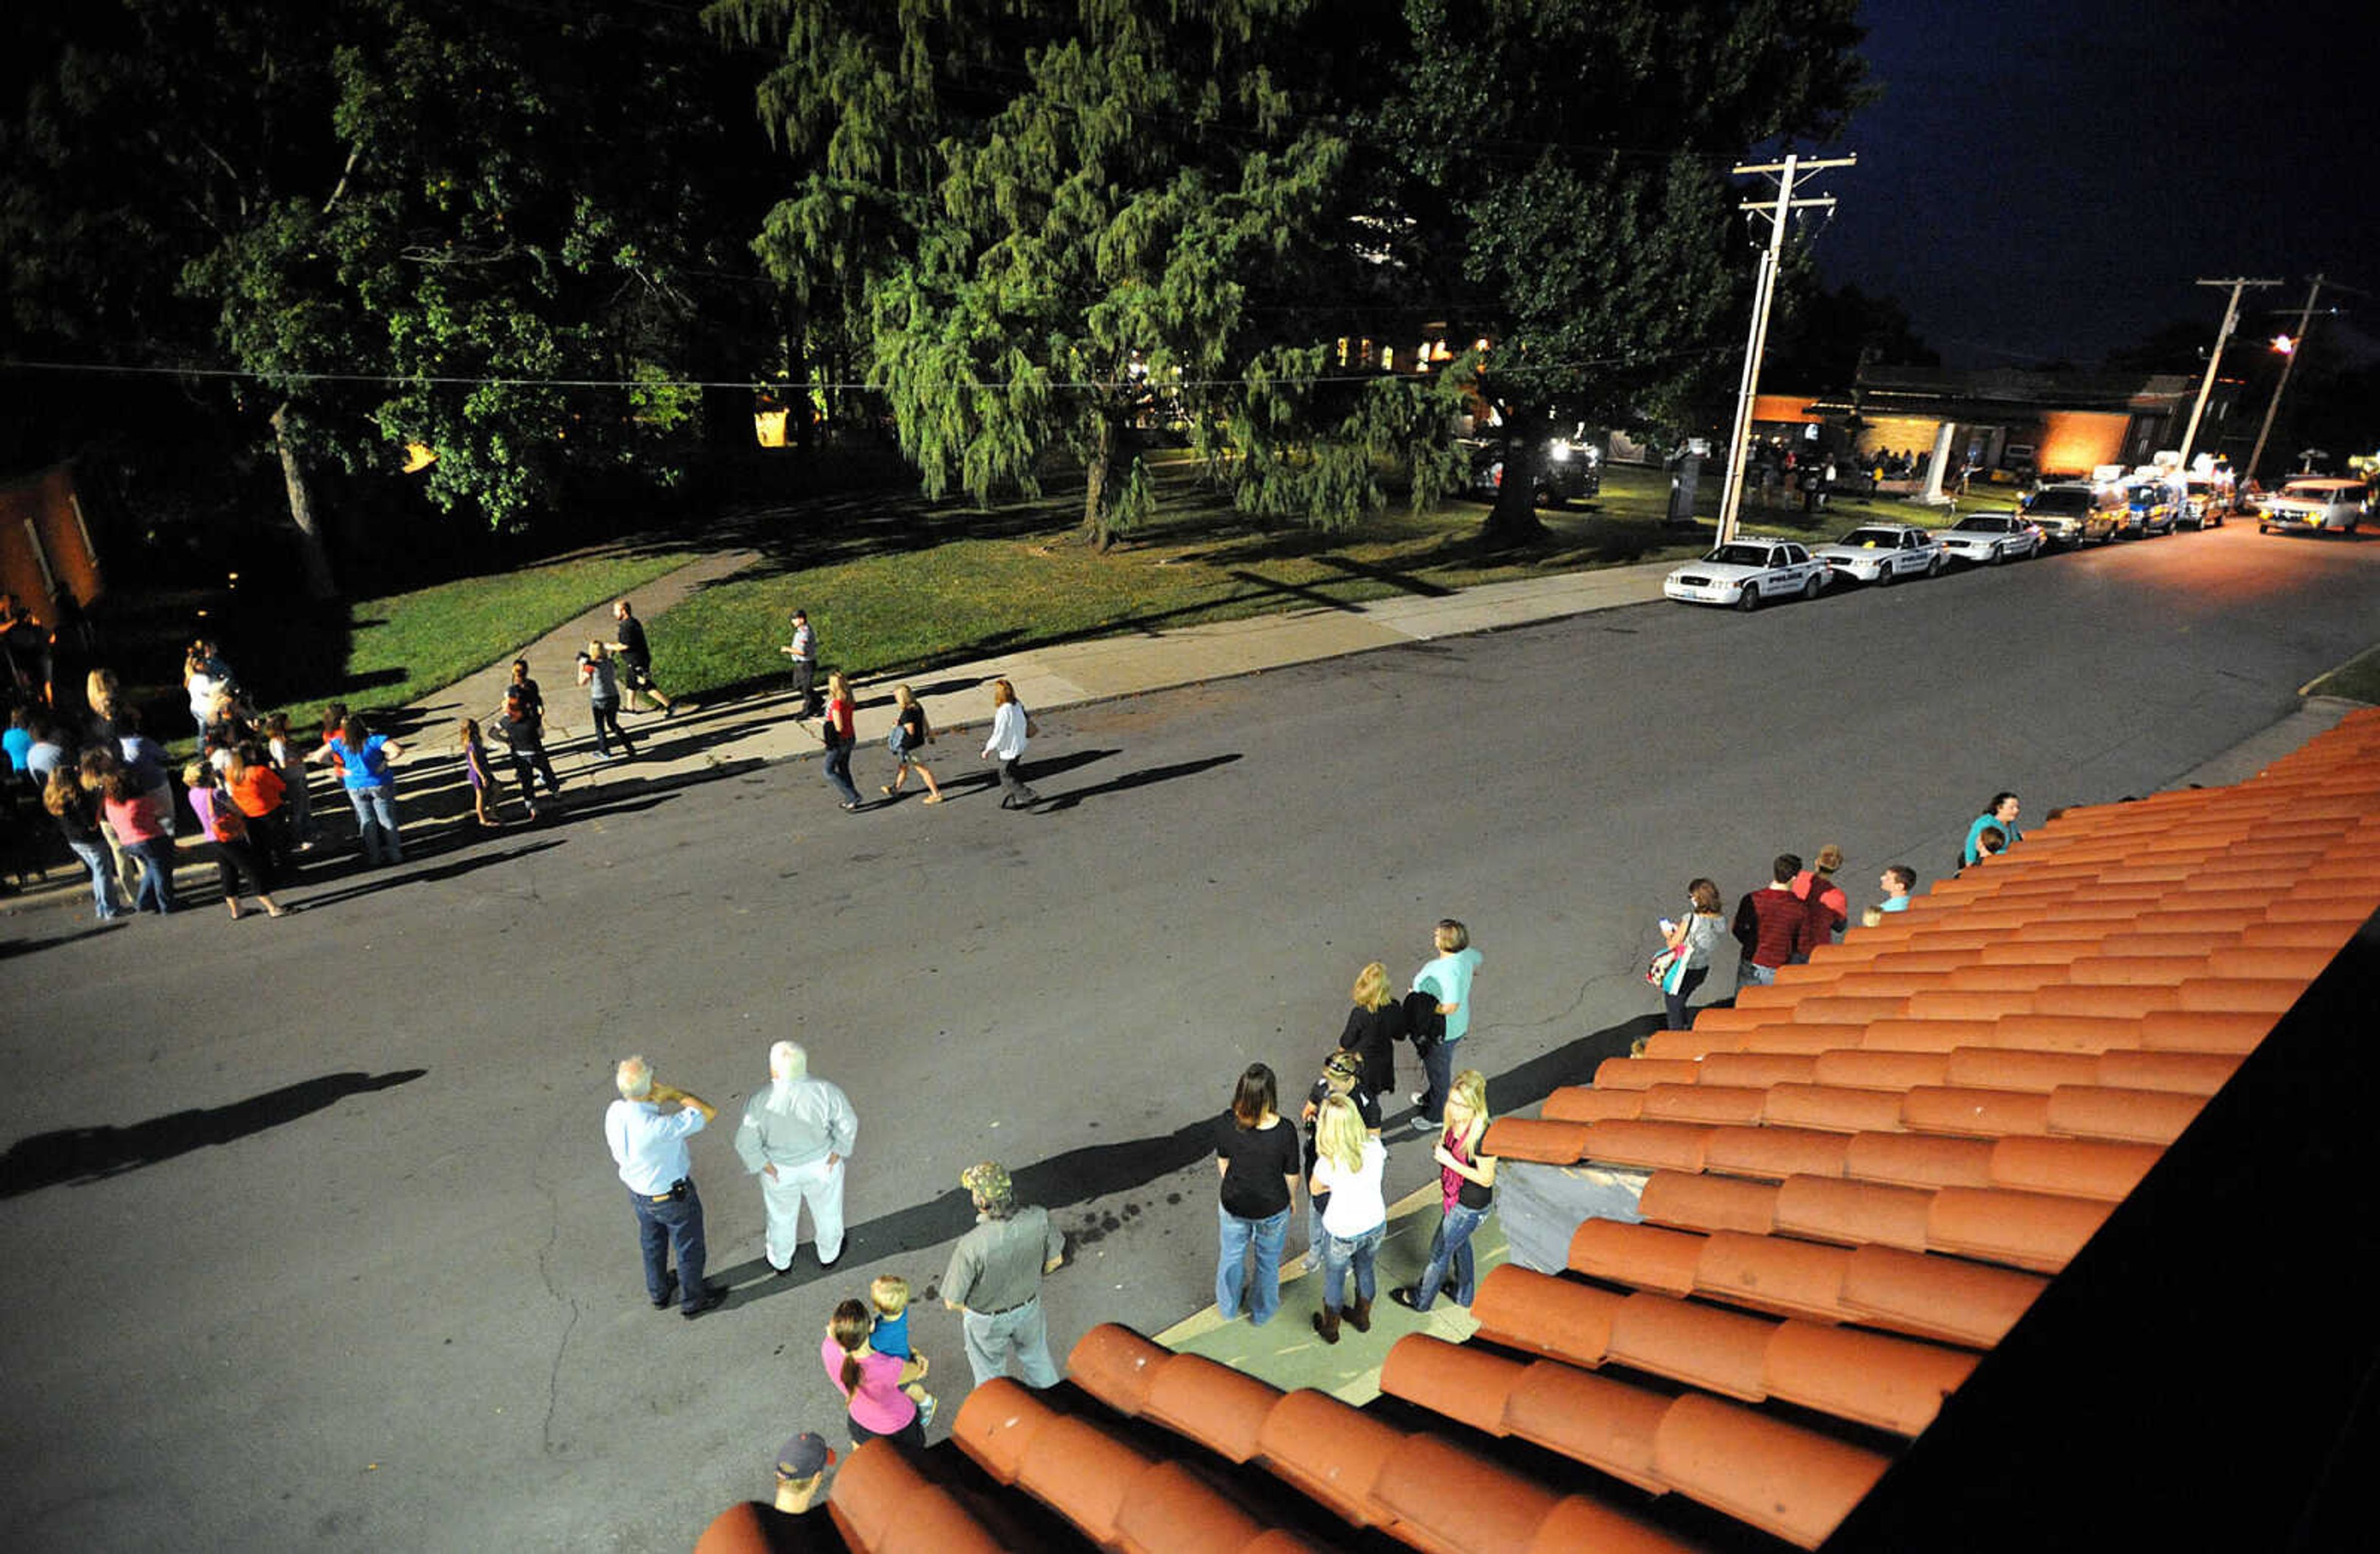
x=1051 y=223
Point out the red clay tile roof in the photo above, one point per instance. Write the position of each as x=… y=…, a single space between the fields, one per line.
x=1859 y=1180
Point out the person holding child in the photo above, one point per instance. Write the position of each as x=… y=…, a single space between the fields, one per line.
x=871 y=1382
x=888 y=1294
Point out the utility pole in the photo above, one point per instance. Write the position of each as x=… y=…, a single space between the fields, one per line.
x=1763 y=293
x=2305 y=319
x=2215 y=357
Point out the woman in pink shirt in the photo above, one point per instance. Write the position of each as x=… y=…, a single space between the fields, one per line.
x=139 y=821
x=870 y=1382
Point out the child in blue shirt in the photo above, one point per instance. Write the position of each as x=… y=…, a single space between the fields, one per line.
x=888 y=1294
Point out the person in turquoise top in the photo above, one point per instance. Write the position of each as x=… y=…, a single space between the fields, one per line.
x=1448 y=978
x=2000 y=812
x=1898 y=881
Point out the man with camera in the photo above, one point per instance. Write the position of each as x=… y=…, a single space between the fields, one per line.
x=649 y=1146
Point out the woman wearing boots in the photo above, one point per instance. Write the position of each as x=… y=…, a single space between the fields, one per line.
x=1347 y=1165
x=1467 y=1179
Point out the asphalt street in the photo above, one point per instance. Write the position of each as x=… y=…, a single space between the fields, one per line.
x=318 y=1242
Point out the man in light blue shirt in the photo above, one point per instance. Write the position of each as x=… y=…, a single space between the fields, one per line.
x=1446 y=979
x=648 y=1144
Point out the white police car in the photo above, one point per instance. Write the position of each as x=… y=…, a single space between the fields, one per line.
x=1747 y=570
x=1879 y=552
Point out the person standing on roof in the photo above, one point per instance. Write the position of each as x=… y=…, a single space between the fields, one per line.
x=1829 y=908
x=1772 y=924
x=1447 y=976
x=995 y=1279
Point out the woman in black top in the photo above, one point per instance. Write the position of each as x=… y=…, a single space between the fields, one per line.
x=1374 y=1027
x=1256 y=1155
x=916 y=733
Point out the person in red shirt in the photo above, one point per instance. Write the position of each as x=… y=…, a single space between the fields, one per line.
x=1773 y=925
x=257 y=790
x=1829 y=908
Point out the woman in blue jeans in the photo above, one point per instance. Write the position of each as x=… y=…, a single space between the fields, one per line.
x=363 y=760
x=1467 y=1179
x=1256 y=1155
x=1347 y=1164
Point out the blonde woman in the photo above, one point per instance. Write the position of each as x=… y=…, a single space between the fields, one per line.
x=1348 y=1159
x=915 y=735
x=836 y=732
x=1466 y=1180
x=1012 y=726
x=600 y=672
x=1374 y=1027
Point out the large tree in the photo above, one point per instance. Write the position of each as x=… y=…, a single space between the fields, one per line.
x=1049 y=222
x=1566 y=166
x=495 y=233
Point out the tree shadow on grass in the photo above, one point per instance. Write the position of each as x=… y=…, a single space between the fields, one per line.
x=81 y=1156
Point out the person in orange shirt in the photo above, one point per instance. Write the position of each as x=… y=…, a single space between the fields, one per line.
x=257 y=791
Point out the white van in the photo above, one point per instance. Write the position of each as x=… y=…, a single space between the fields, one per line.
x=2310 y=506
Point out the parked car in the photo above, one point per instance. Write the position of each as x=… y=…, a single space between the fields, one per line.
x=2075 y=512
x=1747 y=570
x=1567 y=471
x=2313 y=506
x=2149 y=508
x=2207 y=502
x=1879 y=552
x=1991 y=538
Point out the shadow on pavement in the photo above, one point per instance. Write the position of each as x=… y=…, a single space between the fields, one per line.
x=85 y=1155
x=1098 y=1171
x=1141 y=779
x=368 y=882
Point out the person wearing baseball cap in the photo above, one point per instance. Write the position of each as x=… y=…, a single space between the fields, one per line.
x=995 y=1279
x=803 y=651
x=799 y=1519
x=801 y=1470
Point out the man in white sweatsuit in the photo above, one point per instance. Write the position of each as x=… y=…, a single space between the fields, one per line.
x=796 y=1136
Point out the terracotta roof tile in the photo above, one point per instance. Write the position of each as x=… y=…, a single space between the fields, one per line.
x=1687 y=1044
x=1717 y=1351
x=1522 y=1309
x=1924 y=960
x=997 y=1423
x=2260 y=995
x=2028 y=1230
x=2010 y=1068
x=1643 y=1074
x=2085 y=1034
x=1888 y=984
x=1794 y=1483
x=2100 y=1003
x=2136 y=1116
x=1758 y=1070
x=1926 y=1295
x=2193 y=1030
x=1964 y=1004
x=2193 y=1073
x=1715 y=1020
x=2193 y=920
x=1788 y=1038
x=1833 y=1110
x=2297 y=964
x=1708 y=1203
x=1892 y=1384
x=1919 y=1159
x=1169 y=1510
x=1824 y=1009
x=1219 y=1408
x=1704 y=1103
x=1641 y=1256
x=1596 y=1420
x=2128 y=971
x=1647 y=1145
x=2072 y=1166
x=1853 y=1213
x=1974 y=1113
x=1861 y=1070
x=2020 y=950
x=2194 y=946
x=1773 y=1153
x=1579 y=1523
x=1330 y=1452
x=1462 y=1381
x=1774 y=1273
x=1458 y=1502
x=1117 y=1366
x=1581 y=1103
x=1524 y=1138
x=2006 y=976
x=883 y=1504
x=1925 y=1035
x=1082 y=1473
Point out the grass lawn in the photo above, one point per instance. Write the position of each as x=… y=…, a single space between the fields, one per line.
x=2357 y=680
x=988 y=582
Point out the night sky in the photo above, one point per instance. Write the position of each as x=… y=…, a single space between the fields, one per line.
x=2043 y=181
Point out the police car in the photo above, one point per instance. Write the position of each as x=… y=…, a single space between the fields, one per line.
x=1879 y=552
x=1747 y=570
x=1991 y=538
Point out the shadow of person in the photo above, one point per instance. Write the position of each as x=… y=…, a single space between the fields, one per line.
x=81 y=1156
x=1050 y=803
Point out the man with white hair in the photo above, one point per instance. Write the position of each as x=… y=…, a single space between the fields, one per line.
x=649 y=1146
x=796 y=1136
